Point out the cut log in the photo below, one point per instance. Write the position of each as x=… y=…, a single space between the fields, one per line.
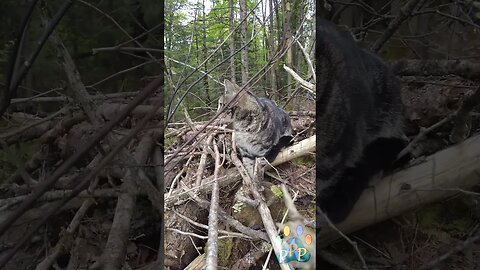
x=442 y=175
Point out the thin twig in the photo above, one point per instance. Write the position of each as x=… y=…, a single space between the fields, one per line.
x=350 y=241
x=212 y=243
x=452 y=251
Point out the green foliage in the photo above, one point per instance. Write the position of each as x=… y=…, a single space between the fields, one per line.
x=194 y=32
x=304 y=161
x=82 y=29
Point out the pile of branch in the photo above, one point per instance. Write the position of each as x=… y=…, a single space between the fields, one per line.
x=95 y=180
x=206 y=165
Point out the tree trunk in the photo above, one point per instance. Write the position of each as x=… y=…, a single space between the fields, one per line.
x=288 y=37
x=231 y=42
x=205 y=54
x=271 y=42
x=243 y=40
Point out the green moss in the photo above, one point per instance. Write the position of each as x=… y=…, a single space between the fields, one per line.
x=454 y=216
x=225 y=246
x=304 y=161
x=276 y=191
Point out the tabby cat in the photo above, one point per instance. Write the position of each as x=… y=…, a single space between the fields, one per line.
x=261 y=128
x=359 y=119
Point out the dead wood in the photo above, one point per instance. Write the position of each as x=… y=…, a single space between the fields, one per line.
x=405 y=12
x=41 y=189
x=120 y=95
x=412 y=67
x=116 y=247
x=212 y=243
x=66 y=239
x=458 y=248
x=249 y=260
x=46 y=131
x=442 y=175
x=74 y=158
x=262 y=207
x=463 y=119
x=59 y=194
x=231 y=176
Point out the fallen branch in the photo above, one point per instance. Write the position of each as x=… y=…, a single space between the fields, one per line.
x=462 y=68
x=65 y=242
x=307 y=85
x=39 y=99
x=262 y=207
x=231 y=176
x=58 y=194
x=439 y=177
x=115 y=252
x=212 y=243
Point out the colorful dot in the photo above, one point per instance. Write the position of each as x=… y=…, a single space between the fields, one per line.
x=308 y=239
x=299 y=230
x=278 y=239
x=286 y=231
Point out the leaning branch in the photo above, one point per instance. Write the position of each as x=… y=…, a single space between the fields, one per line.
x=442 y=175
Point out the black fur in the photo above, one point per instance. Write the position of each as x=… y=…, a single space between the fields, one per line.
x=359 y=119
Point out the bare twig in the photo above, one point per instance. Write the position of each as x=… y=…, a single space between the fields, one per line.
x=262 y=209
x=302 y=148
x=39 y=98
x=228 y=219
x=116 y=247
x=469 y=102
x=203 y=226
x=311 y=68
x=36 y=123
x=405 y=12
x=452 y=251
x=413 y=67
x=17 y=72
x=203 y=160
x=351 y=242
x=50 y=181
x=423 y=132
x=212 y=243
x=463 y=120
x=63 y=244
x=56 y=195
x=73 y=75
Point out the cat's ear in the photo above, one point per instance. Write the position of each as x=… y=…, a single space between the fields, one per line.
x=230 y=88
